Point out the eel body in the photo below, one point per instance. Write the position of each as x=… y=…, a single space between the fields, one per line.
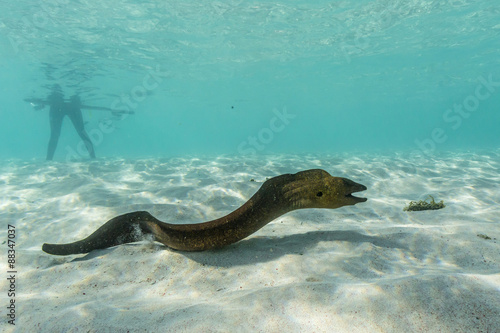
x=279 y=195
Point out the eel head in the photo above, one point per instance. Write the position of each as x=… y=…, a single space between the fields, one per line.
x=318 y=189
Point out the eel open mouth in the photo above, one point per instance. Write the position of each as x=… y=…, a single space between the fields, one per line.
x=354 y=198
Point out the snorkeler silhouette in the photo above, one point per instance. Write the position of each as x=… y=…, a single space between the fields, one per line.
x=59 y=108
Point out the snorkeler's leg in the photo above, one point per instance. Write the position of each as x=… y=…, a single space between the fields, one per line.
x=77 y=120
x=55 y=130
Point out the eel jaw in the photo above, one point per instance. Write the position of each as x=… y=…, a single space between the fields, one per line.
x=355 y=199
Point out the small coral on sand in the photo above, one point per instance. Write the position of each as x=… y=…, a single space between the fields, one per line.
x=424 y=205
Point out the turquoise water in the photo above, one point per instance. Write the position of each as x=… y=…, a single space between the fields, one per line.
x=212 y=77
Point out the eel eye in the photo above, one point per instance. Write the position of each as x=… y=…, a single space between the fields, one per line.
x=319 y=194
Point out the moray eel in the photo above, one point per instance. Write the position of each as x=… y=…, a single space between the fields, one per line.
x=279 y=195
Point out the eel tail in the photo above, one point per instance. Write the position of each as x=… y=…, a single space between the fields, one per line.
x=126 y=228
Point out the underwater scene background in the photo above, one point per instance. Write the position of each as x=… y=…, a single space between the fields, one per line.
x=191 y=106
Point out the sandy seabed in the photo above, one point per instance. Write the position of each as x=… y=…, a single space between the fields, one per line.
x=366 y=268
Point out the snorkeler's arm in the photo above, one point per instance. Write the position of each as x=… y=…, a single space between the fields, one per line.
x=105 y=109
x=37 y=103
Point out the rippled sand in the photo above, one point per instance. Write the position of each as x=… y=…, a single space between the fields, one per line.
x=367 y=268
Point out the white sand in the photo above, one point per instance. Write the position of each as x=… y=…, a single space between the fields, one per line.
x=367 y=268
